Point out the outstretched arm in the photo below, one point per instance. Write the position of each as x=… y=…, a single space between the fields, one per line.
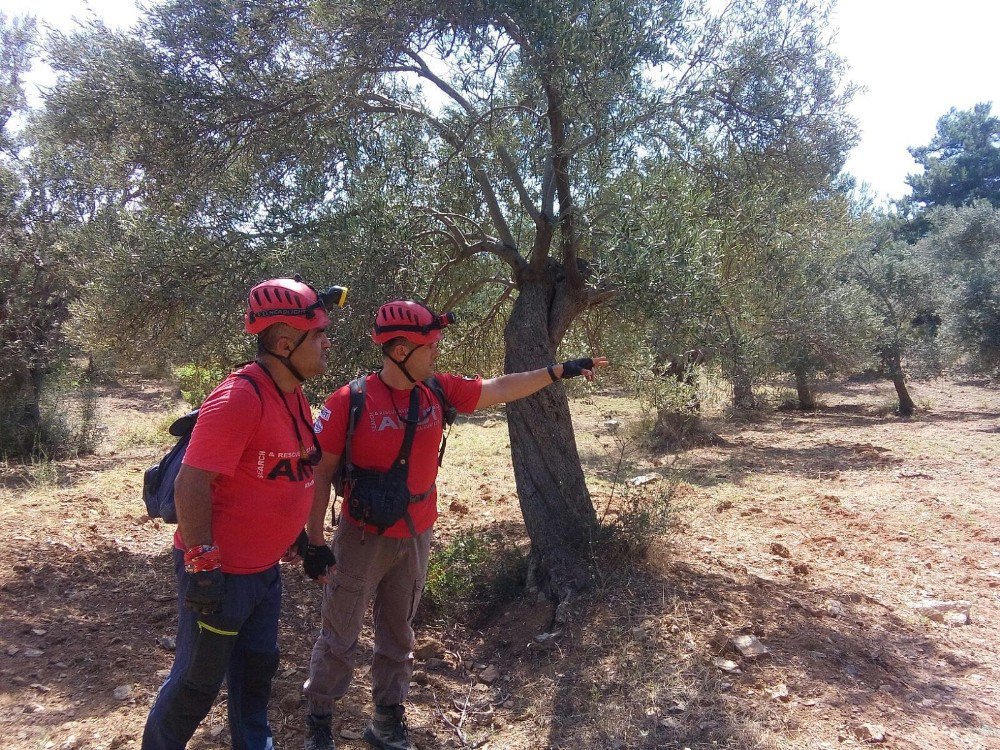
x=520 y=384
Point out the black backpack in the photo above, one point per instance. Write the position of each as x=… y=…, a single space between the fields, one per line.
x=158 y=481
x=356 y=406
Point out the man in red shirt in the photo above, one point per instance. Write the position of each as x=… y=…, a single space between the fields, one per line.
x=389 y=565
x=242 y=495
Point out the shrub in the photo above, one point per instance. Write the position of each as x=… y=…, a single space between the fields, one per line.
x=197 y=381
x=473 y=575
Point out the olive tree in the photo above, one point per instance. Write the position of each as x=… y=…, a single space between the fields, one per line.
x=487 y=137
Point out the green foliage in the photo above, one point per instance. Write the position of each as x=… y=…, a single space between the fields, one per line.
x=64 y=425
x=962 y=252
x=961 y=163
x=472 y=575
x=197 y=381
x=37 y=277
x=642 y=515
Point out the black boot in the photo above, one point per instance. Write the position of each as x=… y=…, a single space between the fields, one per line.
x=388 y=729
x=319 y=736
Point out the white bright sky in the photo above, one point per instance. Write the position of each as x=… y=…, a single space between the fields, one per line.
x=915 y=58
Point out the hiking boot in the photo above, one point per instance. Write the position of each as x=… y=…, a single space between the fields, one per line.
x=388 y=729
x=319 y=736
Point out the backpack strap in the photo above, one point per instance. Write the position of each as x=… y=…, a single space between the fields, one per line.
x=448 y=412
x=356 y=405
x=252 y=382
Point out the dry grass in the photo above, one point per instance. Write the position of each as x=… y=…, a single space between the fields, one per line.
x=873 y=512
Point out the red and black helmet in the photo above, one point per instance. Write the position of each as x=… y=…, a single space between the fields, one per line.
x=290 y=301
x=411 y=320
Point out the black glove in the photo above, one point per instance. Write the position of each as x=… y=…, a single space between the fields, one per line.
x=206 y=592
x=575 y=367
x=317 y=559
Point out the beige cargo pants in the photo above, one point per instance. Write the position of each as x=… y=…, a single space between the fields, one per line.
x=390 y=571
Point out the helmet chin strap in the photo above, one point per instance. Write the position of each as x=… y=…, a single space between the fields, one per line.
x=401 y=364
x=286 y=359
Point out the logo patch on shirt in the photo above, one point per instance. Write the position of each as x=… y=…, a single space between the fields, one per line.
x=324 y=414
x=318 y=425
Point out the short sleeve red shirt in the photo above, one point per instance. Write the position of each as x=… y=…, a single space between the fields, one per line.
x=263 y=489
x=378 y=437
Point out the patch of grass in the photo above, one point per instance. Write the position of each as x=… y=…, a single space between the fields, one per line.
x=43 y=472
x=473 y=575
x=147 y=433
x=197 y=381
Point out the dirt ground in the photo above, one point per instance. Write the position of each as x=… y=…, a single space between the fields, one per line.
x=811 y=535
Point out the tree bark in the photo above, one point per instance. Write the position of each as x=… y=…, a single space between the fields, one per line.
x=555 y=502
x=895 y=368
x=742 y=381
x=803 y=388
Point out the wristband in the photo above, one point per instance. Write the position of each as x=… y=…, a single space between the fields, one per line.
x=202 y=559
x=552 y=373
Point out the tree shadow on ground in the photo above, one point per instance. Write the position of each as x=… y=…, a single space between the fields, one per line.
x=635 y=667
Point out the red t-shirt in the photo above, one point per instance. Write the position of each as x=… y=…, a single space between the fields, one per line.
x=378 y=436
x=264 y=489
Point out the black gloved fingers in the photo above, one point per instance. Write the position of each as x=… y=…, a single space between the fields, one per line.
x=318 y=558
x=574 y=367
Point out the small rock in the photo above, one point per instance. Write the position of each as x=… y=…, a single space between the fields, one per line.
x=13 y=651
x=163 y=673
x=70 y=743
x=122 y=692
x=39 y=631
x=937 y=610
x=489 y=675
x=350 y=734
x=749 y=646
x=800 y=569
x=869 y=733
x=33 y=652
x=644 y=479
x=779 y=549
x=834 y=608
x=216 y=730
x=168 y=643
x=726 y=665
x=420 y=677
x=429 y=648
x=290 y=701
x=677 y=707
x=780 y=693
x=435 y=663
x=490 y=423
x=611 y=425
x=955 y=619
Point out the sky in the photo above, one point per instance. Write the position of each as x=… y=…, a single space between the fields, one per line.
x=915 y=59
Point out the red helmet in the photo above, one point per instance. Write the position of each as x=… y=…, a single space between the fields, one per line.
x=411 y=320
x=288 y=301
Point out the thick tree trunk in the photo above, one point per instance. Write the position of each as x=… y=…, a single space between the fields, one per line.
x=742 y=380
x=803 y=388
x=20 y=411
x=895 y=368
x=558 y=512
